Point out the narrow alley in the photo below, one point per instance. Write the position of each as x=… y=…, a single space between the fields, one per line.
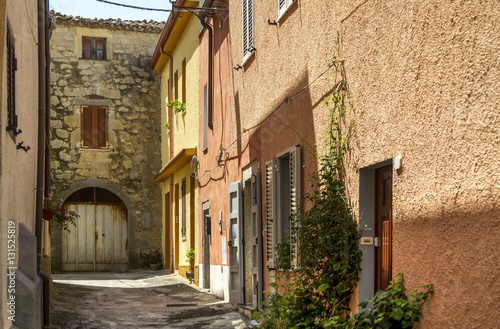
x=138 y=299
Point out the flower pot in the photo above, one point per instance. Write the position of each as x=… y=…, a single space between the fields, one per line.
x=154 y=267
x=47 y=214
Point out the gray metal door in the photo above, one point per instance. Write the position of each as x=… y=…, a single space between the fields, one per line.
x=236 y=268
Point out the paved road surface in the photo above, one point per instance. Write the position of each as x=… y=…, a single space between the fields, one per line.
x=138 y=299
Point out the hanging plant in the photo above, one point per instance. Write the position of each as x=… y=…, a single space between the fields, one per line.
x=53 y=210
x=177 y=106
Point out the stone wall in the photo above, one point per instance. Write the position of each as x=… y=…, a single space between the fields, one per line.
x=131 y=92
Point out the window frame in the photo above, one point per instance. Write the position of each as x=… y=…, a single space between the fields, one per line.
x=247 y=29
x=94 y=123
x=93 y=50
x=283 y=6
x=12 y=123
x=274 y=198
x=183 y=206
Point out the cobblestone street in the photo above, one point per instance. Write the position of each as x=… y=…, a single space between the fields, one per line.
x=139 y=299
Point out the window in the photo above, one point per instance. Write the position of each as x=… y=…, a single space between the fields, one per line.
x=176 y=85
x=94 y=127
x=282 y=178
x=93 y=48
x=11 y=83
x=283 y=6
x=183 y=195
x=205 y=118
x=184 y=81
x=248 y=29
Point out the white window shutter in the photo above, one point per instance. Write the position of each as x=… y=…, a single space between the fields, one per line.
x=283 y=6
x=270 y=213
x=295 y=200
x=247 y=28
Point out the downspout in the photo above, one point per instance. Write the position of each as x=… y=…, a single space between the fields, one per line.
x=171 y=155
x=210 y=74
x=43 y=100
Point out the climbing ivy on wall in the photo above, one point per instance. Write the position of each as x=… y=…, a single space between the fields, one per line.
x=328 y=237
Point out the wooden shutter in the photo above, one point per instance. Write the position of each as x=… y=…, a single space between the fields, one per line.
x=283 y=6
x=86 y=126
x=100 y=47
x=11 y=79
x=101 y=127
x=87 y=48
x=248 y=28
x=270 y=213
x=183 y=195
x=295 y=200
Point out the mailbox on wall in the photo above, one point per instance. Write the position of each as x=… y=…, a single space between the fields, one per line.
x=208 y=225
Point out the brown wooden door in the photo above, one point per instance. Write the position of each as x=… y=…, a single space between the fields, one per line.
x=383 y=227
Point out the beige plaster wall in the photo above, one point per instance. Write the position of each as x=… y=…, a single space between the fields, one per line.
x=125 y=84
x=18 y=168
x=425 y=85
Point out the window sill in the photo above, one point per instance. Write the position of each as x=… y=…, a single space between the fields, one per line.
x=247 y=58
x=283 y=14
x=91 y=149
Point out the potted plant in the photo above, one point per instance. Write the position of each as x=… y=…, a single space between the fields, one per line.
x=53 y=209
x=190 y=259
x=152 y=258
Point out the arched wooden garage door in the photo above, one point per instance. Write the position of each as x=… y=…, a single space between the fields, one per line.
x=100 y=240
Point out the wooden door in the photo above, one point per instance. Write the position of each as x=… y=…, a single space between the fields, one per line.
x=99 y=242
x=236 y=266
x=383 y=227
x=257 y=261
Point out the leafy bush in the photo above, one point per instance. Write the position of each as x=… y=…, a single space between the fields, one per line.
x=390 y=309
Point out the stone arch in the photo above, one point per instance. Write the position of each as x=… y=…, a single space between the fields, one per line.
x=89 y=183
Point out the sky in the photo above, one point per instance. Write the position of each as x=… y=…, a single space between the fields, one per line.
x=95 y=9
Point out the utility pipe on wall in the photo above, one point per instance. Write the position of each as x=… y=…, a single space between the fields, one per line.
x=41 y=180
x=210 y=74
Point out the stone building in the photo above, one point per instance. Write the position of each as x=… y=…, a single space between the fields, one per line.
x=105 y=122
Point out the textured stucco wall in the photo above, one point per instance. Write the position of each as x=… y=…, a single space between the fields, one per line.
x=125 y=84
x=425 y=85
x=214 y=184
x=184 y=128
x=18 y=168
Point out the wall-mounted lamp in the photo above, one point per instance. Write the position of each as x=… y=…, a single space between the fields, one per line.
x=272 y=23
x=238 y=67
x=397 y=163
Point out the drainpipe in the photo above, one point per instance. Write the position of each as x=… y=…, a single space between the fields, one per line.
x=210 y=73
x=43 y=101
x=171 y=155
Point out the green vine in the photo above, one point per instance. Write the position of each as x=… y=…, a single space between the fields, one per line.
x=318 y=293
x=328 y=250
x=177 y=106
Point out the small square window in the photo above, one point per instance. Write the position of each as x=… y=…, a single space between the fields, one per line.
x=93 y=48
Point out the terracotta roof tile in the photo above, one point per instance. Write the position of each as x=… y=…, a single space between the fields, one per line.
x=144 y=25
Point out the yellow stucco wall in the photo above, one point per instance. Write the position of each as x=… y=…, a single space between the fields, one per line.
x=185 y=135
